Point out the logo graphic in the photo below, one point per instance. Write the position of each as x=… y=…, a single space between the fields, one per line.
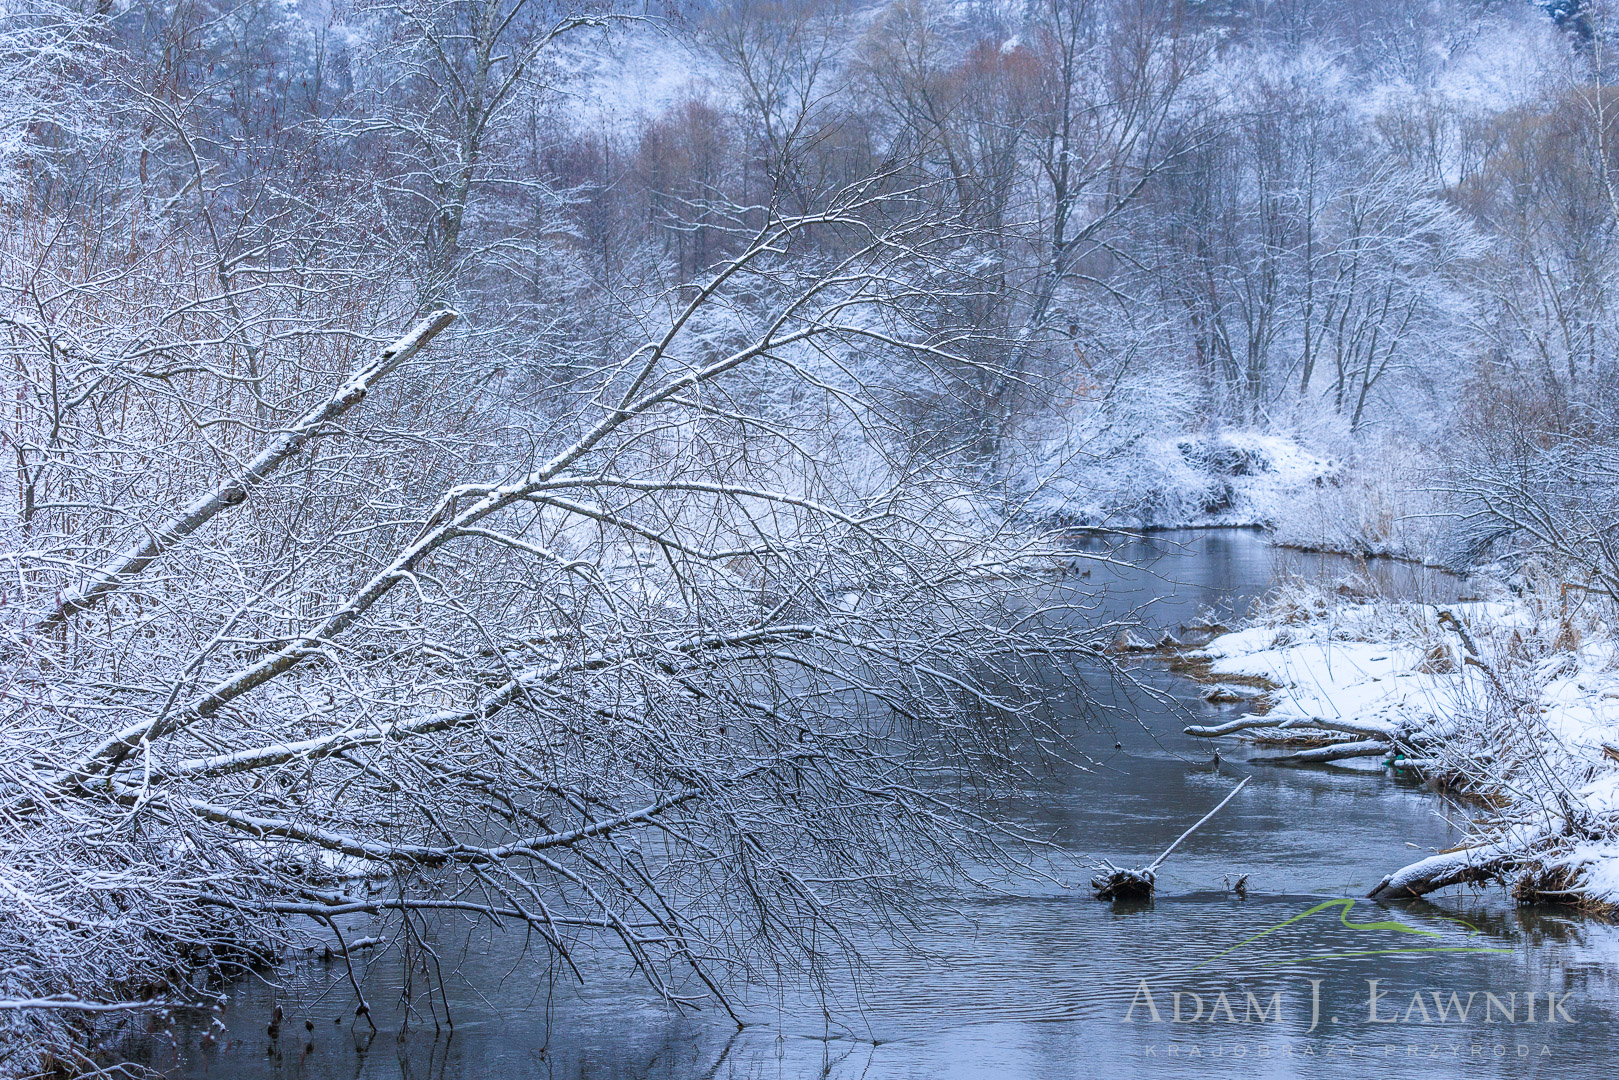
x=1344 y=905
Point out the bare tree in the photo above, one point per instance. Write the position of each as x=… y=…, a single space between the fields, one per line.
x=443 y=81
x=684 y=679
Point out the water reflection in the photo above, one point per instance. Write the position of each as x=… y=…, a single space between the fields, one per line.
x=1044 y=981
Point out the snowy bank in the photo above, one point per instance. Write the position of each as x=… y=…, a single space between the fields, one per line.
x=1514 y=702
x=1231 y=478
x=1381 y=497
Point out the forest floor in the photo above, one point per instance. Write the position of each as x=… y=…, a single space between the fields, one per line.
x=1510 y=705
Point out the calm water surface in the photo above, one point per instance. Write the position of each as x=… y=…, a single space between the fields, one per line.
x=1047 y=982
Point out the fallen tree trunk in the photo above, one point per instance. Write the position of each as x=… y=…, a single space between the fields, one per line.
x=1338 y=751
x=1476 y=865
x=1370 y=729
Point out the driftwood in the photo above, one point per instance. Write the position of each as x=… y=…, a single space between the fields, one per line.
x=1125 y=883
x=1121 y=883
x=1476 y=864
x=1324 y=739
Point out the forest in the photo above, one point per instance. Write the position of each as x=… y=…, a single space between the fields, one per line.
x=598 y=469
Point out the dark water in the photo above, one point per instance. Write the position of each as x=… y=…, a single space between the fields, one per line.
x=1047 y=982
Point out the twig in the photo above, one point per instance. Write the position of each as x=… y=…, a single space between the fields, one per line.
x=364 y=1008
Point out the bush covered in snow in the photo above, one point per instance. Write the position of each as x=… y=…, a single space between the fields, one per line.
x=1174 y=479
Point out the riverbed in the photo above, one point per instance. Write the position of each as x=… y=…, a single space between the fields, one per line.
x=1039 y=979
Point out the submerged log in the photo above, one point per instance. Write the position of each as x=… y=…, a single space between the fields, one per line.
x=1128 y=641
x=1338 y=751
x=1121 y=883
x=1231 y=693
x=1124 y=883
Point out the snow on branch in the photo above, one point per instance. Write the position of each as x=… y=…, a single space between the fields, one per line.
x=234 y=490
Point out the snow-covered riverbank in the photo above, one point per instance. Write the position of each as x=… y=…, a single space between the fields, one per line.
x=1512 y=702
x=1377 y=502
x=1182 y=480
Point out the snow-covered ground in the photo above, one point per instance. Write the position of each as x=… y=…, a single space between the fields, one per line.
x=1232 y=477
x=1142 y=470
x=1514 y=702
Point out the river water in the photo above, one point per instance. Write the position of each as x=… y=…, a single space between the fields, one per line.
x=1044 y=981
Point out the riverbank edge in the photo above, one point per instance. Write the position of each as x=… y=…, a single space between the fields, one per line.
x=1512 y=705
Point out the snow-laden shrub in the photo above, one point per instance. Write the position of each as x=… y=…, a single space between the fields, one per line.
x=1171 y=476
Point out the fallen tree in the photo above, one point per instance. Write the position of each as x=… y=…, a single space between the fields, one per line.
x=1472 y=865
x=682 y=684
x=1138 y=884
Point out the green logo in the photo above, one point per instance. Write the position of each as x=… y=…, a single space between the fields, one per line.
x=1395 y=927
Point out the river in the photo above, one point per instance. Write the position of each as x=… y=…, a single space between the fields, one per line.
x=1042 y=980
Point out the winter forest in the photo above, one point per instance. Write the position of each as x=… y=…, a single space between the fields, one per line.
x=629 y=479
